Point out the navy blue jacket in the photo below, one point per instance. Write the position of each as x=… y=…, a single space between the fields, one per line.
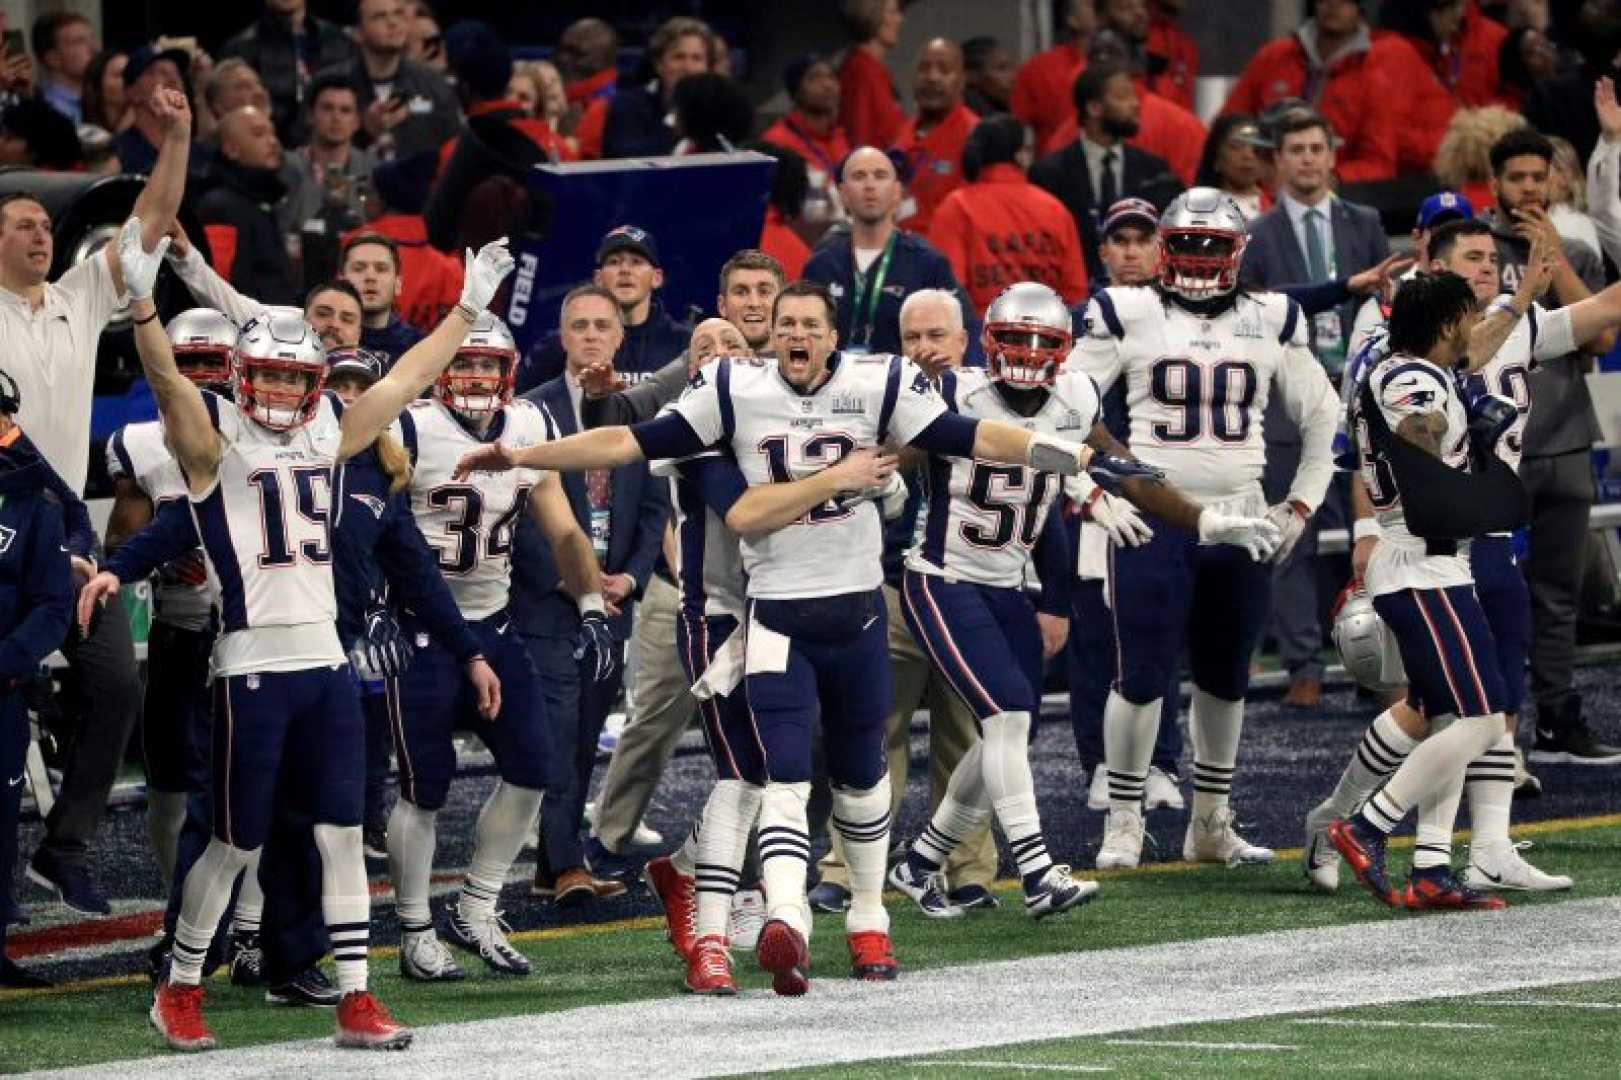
x=635 y=126
x=641 y=507
x=646 y=348
x=916 y=264
x=391 y=341
x=36 y=582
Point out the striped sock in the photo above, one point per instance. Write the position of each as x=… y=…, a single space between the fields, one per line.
x=728 y=816
x=685 y=857
x=1126 y=790
x=1382 y=749
x=1212 y=788
x=785 y=852
x=862 y=819
x=1214 y=727
x=1128 y=748
x=503 y=823
x=250 y=900
x=962 y=809
x=1489 y=780
x=345 y=902
x=204 y=896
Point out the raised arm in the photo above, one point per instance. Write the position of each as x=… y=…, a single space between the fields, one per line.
x=376 y=409
x=207 y=287
x=159 y=200
x=187 y=426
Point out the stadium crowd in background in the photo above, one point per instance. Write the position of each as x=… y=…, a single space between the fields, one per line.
x=342 y=169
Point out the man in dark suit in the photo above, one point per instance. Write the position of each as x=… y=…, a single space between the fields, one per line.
x=624 y=511
x=1310 y=236
x=1098 y=169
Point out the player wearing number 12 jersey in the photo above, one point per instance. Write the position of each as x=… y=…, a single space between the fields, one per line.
x=287 y=719
x=1200 y=359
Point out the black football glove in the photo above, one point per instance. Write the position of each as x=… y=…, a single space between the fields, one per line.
x=594 y=645
x=384 y=645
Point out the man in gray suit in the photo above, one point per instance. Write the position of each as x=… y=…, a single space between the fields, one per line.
x=1311 y=235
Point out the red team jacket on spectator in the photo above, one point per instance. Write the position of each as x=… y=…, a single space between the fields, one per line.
x=1467 y=67
x=1043 y=90
x=1173 y=62
x=778 y=240
x=822 y=153
x=934 y=163
x=1167 y=131
x=1423 y=106
x=1002 y=229
x=1355 y=97
x=430 y=280
x=588 y=132
x=868 y=109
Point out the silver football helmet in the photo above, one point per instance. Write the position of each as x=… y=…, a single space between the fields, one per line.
x=474 y=394
x=282 y=344
x=202 y=340
x=1366 y=646
x=1027 y=335
x=1202 y=239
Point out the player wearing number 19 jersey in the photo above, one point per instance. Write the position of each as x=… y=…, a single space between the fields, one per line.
x=1201 y=359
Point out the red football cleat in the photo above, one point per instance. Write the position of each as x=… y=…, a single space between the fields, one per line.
x=709 y=967
x=364 y=1024
x=781 y=950
x=872 y=956
x=1363 y=849
x=678 y=895
x=1437 y=888
x=177 y=1014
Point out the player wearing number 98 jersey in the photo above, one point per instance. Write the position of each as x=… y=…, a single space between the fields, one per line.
x=471 y=523
x=1200 y=359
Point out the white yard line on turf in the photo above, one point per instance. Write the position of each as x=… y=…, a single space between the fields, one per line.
x=1350 y=1021
x=1554 y=1003
x=1020 y=1066
x=970 y=1008
x=1194 y=1044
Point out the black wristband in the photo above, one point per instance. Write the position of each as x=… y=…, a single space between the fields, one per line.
x=149 y=318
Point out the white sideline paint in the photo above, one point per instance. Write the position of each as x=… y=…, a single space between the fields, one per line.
x=1351 y=1021
x=1022 y=1066
x=1554 y=1003
x=971 y=1008
x=1194 y=1044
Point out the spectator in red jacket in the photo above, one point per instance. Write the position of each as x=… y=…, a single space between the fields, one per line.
x=999 y=228
x=1423 y=108
x=1043 y=88
x=1458 y=43
x=585 y=55
x=789 y=184
x=868 y=108
x=811 y=130
x=1173 y=55
x=931 y=143
x=430 y=280
x=1329 y=63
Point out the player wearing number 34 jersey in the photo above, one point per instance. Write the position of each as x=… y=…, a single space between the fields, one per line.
x=1200 y=359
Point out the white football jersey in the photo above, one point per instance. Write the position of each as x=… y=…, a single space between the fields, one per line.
x=1403 y=386
x=264 y=524
x=1540 y=335
x=983 y=518
x=139 y=452
x=1197 y=389
x=779 y=435
x=470 y=523
x=709 y=560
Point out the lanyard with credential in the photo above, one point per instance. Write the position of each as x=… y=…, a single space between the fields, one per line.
x=874 y=282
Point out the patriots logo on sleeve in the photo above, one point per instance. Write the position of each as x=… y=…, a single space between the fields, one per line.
x=370 y=502
x=920 y=384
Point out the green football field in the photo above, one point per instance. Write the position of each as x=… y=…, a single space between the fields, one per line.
x=1273 y=954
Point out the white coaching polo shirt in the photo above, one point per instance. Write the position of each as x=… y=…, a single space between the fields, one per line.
x=51 y=353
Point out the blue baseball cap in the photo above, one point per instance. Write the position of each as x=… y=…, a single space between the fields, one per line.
x=1442 y=207
x=629 y=238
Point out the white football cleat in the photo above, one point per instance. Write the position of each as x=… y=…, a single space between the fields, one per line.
x=747 y=918
x=424 y=958
x=1322 y=859
x=1163 y=792
x=1212 y=839
x=1097 y=796
x=1500 y=868
x=1122 y=841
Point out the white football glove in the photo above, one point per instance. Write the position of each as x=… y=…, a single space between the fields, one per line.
x=1119 y=518
x=139 y=266
x=484 y=274
x=1258 y=536
x=1291 y=526
x=892 y=497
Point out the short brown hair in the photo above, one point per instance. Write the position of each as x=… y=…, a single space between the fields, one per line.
x=337 y=285
x=371 y=238
x=673 y=30
x=863 y=18
x=752 y=259
x=806 y=287
x=589 y=289
x=20 y=196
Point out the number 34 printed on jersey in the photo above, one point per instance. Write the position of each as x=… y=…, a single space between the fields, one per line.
x=1202 y=401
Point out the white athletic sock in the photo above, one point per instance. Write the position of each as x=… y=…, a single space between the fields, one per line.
x=250 y=899
x=962 y=810
x=1433 y=763
x=1383 y=748
x=203 y=899
x=862 y=818
x=1215 y=725
x=1437 y=813
x=411 y=841
x=685 y=857
x=785 y=853
x=503 y=823
x=345 y=901
x=1489 y=779
x=1128 y=747
x=728 y=816
x=1012 y=792
x=165 y=815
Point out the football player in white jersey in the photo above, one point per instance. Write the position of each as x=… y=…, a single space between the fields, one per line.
x=470 y=522
x=816 y=625
x=1419 y=578
x=259 y=471
x=1201 y=357
x=1515 y=335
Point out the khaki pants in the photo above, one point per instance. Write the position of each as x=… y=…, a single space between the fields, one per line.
x=664 y=708
x=951 y=733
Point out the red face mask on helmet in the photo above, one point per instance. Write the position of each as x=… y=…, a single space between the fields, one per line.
x=1202 y=242
x=283 y=343
x=1026 y=336
x=476 y=395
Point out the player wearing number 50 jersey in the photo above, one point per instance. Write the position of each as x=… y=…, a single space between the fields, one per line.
x=288 y=723
x=816 y=624
x=470 y=521
x=1200 y=359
